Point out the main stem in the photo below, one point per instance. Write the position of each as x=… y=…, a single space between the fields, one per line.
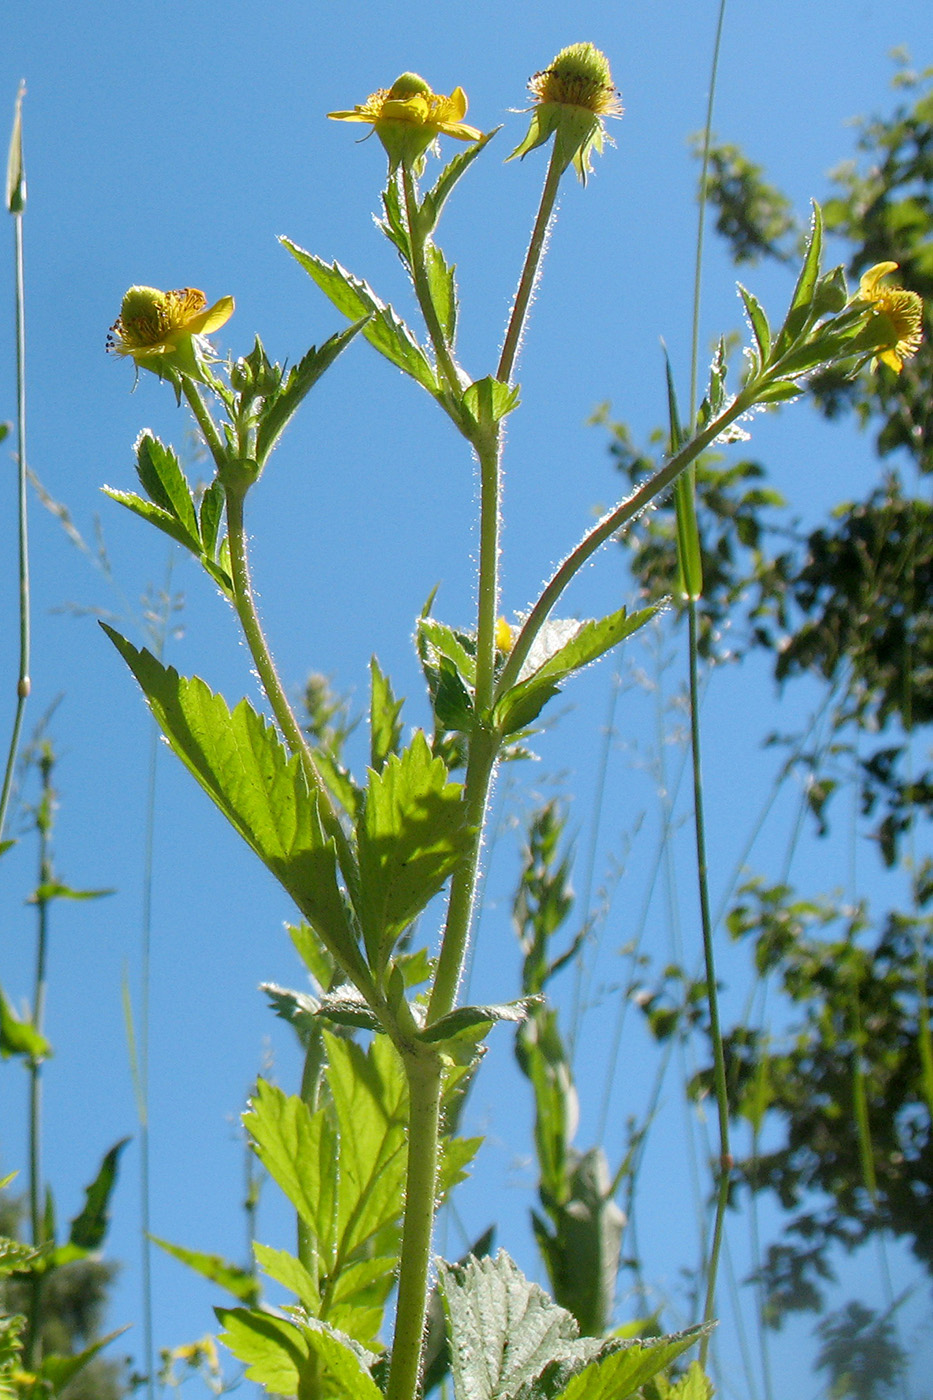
x=32 y=1350
x=484 y=742
x=424 y=1072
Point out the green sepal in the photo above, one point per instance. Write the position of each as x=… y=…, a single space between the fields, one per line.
x=489 y=400
x=436 y=197
x=385 y=727
x=237 y=758
x=19 y=1037
x=520 y=705
x=467 y=1020
x=410 y=837
x=278 y=409
x=384 y=330
x=239 y=1282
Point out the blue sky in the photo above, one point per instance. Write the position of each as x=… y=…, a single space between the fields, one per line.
x=170 y=144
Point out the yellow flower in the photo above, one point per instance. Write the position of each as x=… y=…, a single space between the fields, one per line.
x=571 y=98
x=157 y=328
x=408 y=117
x=899 y=315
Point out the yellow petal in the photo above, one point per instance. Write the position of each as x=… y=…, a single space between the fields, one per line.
x=213 y=318
x=868 y=285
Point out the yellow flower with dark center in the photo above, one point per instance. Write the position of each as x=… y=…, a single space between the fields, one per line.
x=408 y=117
x=899 y=315
x=572 y=97
x=155 y=324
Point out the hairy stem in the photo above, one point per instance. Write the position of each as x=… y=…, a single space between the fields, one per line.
x=530 y=271
x=32 y=1351
x=419 y=276
x=424 y=1092
x=607 y=527
x=484 y=743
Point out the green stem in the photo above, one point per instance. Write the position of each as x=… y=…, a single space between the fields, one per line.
x=424 y=1075
x=419 y=276
x=526 y=285
x=205 y=422
x=607 y=527
x=33 y=1347
x=23 y=681
x=245 y=605
x=712 y=995
x=484 y=742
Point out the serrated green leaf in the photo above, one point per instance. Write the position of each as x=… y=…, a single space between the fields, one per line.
x=799 y=313
x=19 y=1037
x=489 y=400
x=780 y=392
x=43 y=894
x=370 y=1095
x=16 y=1257
x=274 y=1350
x=57 y=1371
x=385 y=727
x=215 y=1268
x=758 y=321
x=285 y=1269
x=299 y=1151
x=443 y=289
x=165 y=484
x=237 y=757
x=155 y=515
x=453 y=703
x=385 y=330
x=210 y=516
x=440 y=640
x=345 y=1365
x=619 y=1372
x=552 y=661
x=89 y=1227
x=301 y=378
x=393 y=226
x=410 y=837
x=505 y=1332
x=470 y=1018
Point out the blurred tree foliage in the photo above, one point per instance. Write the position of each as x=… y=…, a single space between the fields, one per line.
x=847 y=1092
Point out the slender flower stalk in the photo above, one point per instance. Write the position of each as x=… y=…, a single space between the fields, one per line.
x=419 y=275
x=530 y=271
x=16 y=203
